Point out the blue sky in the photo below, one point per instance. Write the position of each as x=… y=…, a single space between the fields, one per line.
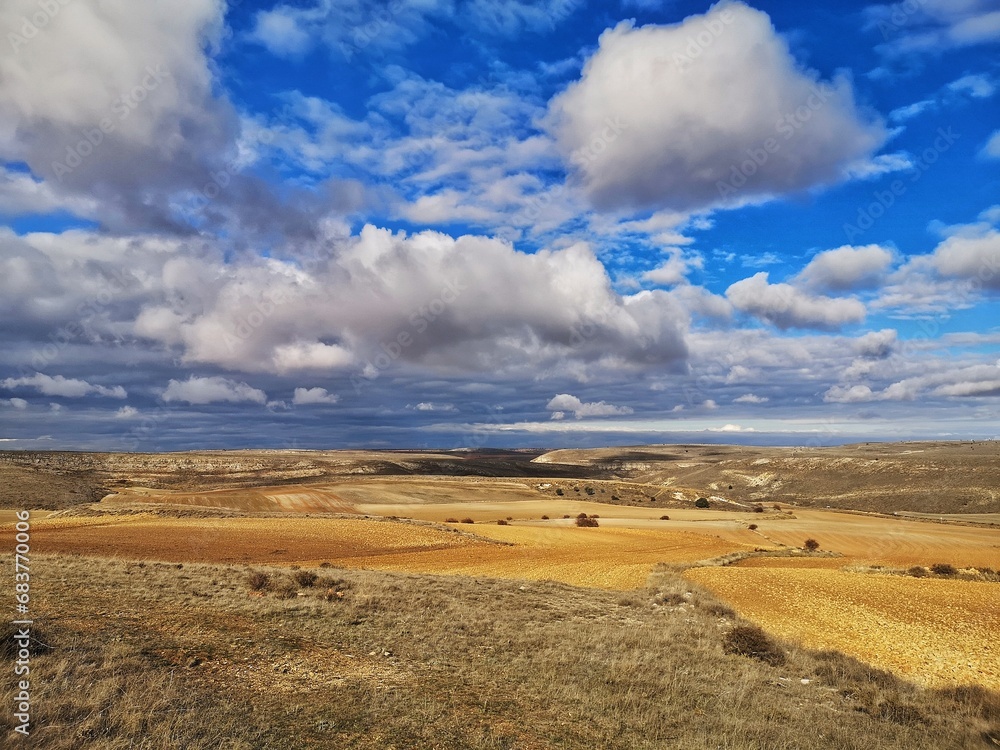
x=485 y=223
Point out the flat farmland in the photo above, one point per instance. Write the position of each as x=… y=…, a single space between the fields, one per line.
x=881 y=540
x=934 y=632
x=611 y=558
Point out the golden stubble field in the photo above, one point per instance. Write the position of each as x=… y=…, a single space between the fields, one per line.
x=609 y=558
x=934 y=631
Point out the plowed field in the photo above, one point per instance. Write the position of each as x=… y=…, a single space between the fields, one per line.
x=613 y=558
x=936 y=632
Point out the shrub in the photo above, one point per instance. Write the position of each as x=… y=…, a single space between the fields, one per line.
x=943 y=569
x=305 y=578
x=467 y=520
x=567 y=516
x=285 y=589
x=812 y=545
x=917 y=571
x=325 y=564
x=752 y=641
x=559 y=490
x=589 y=490
x=510 y=518
x=777 y=507
x=451 y=520
x=545 y=518
x=588 y=522
x=615 y=499
x=582 y=515
x=752 y=527
x=701 y=502
x=758 y=508
x=502 y=522
x=664 y=518
x=258 y=581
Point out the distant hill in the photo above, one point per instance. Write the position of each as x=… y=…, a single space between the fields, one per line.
x=927 y=477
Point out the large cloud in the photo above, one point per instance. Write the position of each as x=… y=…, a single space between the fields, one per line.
x=114 y=100
x=786 y=306
x=711 y=111
x=847 y=268
x=469 y=304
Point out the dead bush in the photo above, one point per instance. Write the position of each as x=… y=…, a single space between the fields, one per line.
x=258 y=581
x=943 y=569
x=586 y=522
x=304 y=578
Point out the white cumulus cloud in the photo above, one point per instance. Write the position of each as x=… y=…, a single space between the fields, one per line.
x=786 y=306
x=197 y=390
x=305 y=396
x=58 y=385
x=565 y=402
x=711 y=111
